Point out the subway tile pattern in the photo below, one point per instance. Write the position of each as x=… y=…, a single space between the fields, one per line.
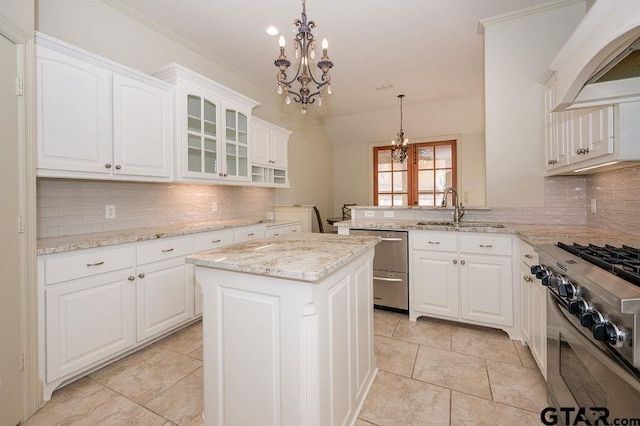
x=617 y=198
x=73 y=207
x=430 y=372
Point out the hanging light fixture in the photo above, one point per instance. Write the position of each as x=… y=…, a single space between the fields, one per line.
x=399 y=146
x=304 y=45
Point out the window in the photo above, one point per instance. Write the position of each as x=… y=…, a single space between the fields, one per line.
x=421 y=180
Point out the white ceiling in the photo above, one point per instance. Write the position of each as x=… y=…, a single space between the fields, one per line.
x=427 y=49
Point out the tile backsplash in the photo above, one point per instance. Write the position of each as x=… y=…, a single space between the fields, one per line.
x=617 y=200
x=68 y=207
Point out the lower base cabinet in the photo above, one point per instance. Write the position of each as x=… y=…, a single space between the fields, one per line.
x=533 y=308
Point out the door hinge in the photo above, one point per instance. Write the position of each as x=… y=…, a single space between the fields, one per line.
x=19 y=86
x=20 y=224
x=23 y=362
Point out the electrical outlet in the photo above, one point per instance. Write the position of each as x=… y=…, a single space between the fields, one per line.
x=369 y=213
x=110 y=211
x=466 y=197
x=594 y=206
x=388 y=213
x=269 y=215
x=214 y=207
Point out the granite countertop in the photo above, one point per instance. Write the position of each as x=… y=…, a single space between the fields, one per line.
x=102 y=239
x=534 y=234
x=298 y=256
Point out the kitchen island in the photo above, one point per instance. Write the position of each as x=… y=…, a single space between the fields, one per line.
x=287 y=329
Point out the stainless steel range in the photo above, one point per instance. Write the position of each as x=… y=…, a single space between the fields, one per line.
x=593 y=330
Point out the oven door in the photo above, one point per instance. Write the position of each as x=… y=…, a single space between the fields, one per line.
x=583 y=375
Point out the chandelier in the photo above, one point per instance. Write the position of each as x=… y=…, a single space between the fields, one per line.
x=304 y=45
x=399 y=146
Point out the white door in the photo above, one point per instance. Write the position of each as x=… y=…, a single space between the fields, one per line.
x=10 y=342
x=279 y=142
x=435 y=283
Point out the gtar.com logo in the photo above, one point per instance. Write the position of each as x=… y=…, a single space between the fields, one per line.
x=592 y=416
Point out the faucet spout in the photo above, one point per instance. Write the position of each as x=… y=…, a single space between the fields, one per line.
x=458 y=210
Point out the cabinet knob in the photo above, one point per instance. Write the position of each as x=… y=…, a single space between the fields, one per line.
x=455 y=262
x=140 y=275
x=224 y=174
x=131 y=278
x=462 y=262
x=107 y=166
x=118 y=166
x=220 y=174
x=528 y=256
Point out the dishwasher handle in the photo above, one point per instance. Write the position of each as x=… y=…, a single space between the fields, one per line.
x=387 y=279
x=390 y=239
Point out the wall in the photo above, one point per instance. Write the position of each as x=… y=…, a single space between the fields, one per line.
x=617 y=196
x=355 y=135
x=106 y=30
x=68 y=207
x=518 y=51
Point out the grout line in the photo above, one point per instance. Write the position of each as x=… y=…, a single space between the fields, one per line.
x=486 y=367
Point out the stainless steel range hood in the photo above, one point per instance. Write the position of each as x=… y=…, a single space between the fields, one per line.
x=600 y=63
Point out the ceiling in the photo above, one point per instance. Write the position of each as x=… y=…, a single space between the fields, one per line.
x=426 y=49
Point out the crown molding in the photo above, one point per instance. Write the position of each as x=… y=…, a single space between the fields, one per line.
x=554 y=4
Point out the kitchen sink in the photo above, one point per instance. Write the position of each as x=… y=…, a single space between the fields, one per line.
x=461 y=224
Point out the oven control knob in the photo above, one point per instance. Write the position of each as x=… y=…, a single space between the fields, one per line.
x=590 y=318
x=567 y=290
x=607 y=332
x=577 y=307
x=536 y=268
x=540 y=271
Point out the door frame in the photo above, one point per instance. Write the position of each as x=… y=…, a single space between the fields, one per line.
x=25 y=47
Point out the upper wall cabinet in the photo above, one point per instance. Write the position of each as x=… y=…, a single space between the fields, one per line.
x=213 y=125
x=99 y=120
x=269 y=147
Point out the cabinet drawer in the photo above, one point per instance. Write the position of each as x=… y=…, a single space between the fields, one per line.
x=435 y=241
x=164 y=249
x=248 y=233
x=87 y=263
x=528 y=254
x=274 y=231
x=485 y=244
x=211 y=240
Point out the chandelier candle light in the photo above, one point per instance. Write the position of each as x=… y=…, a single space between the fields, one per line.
x=304 y=45
x=399 y=146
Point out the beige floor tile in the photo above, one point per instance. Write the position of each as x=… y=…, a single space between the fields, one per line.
x=425 y=331
x=396 y=400
x=87 y=402
x=361 y=422
x=395 y=356
x=183 y=402
x=385 y=322
x=465 y=373
x=184 y=341
x=525 y=355
x=485 y=343
x=125 y=363
x=467 y=410
x=146 y=379
x=197 y=354
x=517 y=386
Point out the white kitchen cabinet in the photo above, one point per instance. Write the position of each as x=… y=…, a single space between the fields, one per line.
x=275 y=230
x=99 y=120
x=463 y=276
x=248 y=233
x=591 y=133
x=269 y=147
x=213 y=126
x=533 y=308
x=208 y=241
x=164 y=289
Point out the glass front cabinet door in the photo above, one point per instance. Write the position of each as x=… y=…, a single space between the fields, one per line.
x=236 y=145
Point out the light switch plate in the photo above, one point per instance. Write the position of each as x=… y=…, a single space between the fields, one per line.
x=110 y=211
x=388 y=213
x=214 y=207
x=369 y=213
x=594 y=206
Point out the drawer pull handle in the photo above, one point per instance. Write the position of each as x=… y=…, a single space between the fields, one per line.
x=377 y=298
x=251 y=234
x=434 y=242
x=395 y=280
x=486 y=245
x=167 y=250
x=140 y=275
x=295 y=230
x=131 y=278
x=216 y=241
x=95 y=264
x=528 y=256
x=275 y=235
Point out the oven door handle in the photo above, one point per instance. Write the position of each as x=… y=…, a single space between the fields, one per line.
x=573 y=336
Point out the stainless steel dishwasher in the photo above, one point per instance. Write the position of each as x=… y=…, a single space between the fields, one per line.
x=390 y=268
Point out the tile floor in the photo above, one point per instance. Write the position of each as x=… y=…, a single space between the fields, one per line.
x=432 y=372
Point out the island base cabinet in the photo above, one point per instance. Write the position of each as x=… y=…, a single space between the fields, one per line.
x=286 y=352
x=87 y=321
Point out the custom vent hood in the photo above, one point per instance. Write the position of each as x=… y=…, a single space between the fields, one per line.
x=600 y=63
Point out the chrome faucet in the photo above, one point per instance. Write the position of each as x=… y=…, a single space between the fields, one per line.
x=458 y=210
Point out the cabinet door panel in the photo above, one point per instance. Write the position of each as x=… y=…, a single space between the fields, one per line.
x=279 y=143
x=435 y=284
x=142 y=128
x=87 y=321
x=74 y=114
x=485 y=290
x=260 y=148
x=164 y=297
